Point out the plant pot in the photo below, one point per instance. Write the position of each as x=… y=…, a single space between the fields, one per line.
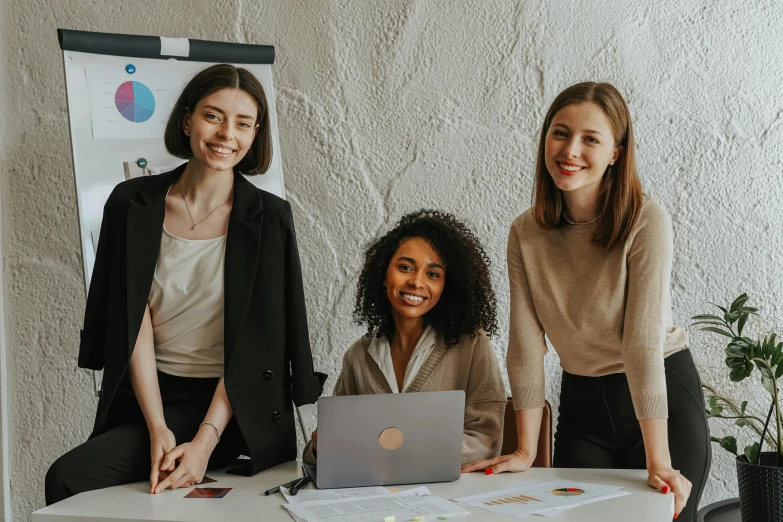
x=760 y=489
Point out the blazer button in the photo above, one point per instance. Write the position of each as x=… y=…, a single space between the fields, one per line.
x=268 y=375
x=275 y=415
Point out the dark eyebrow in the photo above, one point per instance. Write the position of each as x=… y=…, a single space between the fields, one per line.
x=566 y=128
x=413 y=262
x=221 y=111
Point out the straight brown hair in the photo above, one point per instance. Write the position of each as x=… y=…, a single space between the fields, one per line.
x=212 y=79
x=620 y=201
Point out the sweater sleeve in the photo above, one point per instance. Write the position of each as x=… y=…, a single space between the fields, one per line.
x=649 y=264
x=526 y=344
x=485 y=405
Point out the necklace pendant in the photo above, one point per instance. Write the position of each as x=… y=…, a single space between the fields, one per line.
x=194 y=227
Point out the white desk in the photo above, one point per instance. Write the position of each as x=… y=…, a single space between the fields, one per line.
x=133 y=503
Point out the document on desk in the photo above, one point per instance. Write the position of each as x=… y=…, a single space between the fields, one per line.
x=405 y=505
x=309 y=495
x=540 y=498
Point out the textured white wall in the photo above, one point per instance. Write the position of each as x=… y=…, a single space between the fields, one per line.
x=387 y=107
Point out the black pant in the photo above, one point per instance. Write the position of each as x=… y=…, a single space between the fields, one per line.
x=121 y=454
x=597 y=425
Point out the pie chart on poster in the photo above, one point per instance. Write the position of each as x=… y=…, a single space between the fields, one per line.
x=135 y=101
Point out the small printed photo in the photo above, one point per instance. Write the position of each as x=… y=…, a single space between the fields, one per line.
x=208 y=493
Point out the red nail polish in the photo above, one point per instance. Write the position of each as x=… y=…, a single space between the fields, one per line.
x=666 y=490
x=488 y=471
x=676 y=515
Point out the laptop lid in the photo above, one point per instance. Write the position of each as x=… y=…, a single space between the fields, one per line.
x=401 y=438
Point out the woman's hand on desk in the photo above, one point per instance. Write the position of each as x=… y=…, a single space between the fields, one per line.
x=162 y=441
x=193 y=458
x=517 y=461
x=665 y=479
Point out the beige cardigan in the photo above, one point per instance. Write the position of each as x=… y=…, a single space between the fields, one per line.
x=470 y=365
x=605 y=311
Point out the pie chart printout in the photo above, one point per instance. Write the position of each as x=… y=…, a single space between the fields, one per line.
x=135 y=102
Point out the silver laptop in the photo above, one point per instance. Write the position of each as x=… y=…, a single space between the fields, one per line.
x=401 y=438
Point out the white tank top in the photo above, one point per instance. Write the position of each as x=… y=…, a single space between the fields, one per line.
x=186 y=306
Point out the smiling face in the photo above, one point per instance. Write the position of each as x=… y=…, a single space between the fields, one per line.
x=579 y=147
x=415 y=279
x=222 y=128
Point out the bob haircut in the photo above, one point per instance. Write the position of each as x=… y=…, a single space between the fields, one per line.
x=467 y=303
x=206 y=82
x=620 y=201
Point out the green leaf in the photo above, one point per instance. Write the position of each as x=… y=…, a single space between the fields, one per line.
x=752 y=453
x=738 y=302
x=710 y=322
x=750 y=309
x=741 y=324
x=768 y=383
x=729 y=444
x=734 y=350
x=744 y=405
x=737 y=374
x=716 y=330
x=706 y=317
x=714 y=409
x=763 y=369
x=719 y=307
x=731 y=317
x=743 y=342
x=742 y=423
x=779 y=371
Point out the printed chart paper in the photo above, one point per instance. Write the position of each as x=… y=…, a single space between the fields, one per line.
x=557 y=511
x=309 y=495
x=406 y=505
x=532 y=498
x=134 y=106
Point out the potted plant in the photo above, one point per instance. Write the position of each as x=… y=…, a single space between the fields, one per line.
x=759 y=473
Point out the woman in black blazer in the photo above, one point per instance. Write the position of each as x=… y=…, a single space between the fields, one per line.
x=171 y=428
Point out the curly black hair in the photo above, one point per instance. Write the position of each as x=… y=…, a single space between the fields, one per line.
x=468 y=300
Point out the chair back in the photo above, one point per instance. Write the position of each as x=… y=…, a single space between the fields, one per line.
x=510 y=441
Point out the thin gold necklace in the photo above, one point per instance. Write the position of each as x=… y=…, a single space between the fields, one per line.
x=191 y=215
x=596 y=218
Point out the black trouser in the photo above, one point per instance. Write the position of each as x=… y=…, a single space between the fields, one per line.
x=121 y=454
x=597 y=425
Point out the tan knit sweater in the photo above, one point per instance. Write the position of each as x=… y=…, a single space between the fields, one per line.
x=470 y=365
x=604 y=311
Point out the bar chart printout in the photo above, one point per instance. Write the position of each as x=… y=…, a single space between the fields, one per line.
x=517 y=499
x=530 y=497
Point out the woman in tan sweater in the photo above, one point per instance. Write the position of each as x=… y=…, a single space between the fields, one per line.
x=426 y=298
x=590 y=267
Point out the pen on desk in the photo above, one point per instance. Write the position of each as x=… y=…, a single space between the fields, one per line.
x=302 y=483
x=276 y=489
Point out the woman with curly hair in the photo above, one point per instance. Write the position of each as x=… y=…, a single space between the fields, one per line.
x=426 y=298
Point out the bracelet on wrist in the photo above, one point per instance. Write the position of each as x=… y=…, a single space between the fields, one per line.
x=217 y=432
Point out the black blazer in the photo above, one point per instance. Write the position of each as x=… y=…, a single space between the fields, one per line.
x=268 y=362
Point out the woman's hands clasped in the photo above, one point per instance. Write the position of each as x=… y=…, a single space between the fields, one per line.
x=517 y=461
x=184 y=466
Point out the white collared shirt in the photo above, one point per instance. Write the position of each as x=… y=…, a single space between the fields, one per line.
x=380 y=351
